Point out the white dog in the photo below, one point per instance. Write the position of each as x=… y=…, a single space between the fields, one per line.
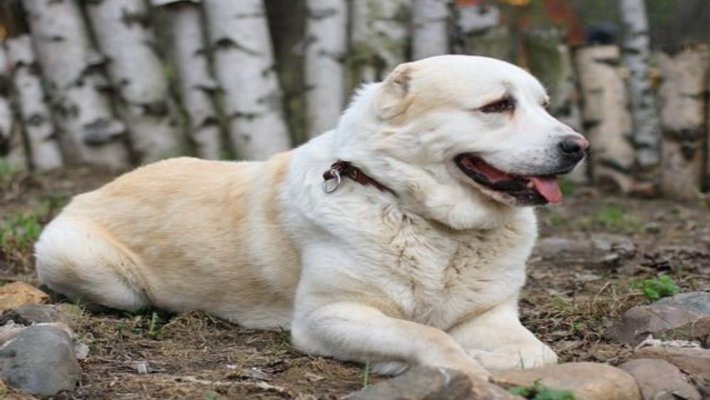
x=398 y=238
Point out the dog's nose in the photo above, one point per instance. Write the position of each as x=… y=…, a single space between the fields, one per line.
x=573 y=147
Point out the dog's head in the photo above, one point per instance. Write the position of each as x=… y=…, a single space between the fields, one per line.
x=464 y=132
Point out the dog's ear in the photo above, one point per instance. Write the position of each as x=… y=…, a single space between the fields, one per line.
x=392 y=94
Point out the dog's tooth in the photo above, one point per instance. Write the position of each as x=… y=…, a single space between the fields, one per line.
x=530 y=185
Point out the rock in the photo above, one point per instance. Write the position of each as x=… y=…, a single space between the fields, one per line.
x=40 y=360
x=7 y=393
x=18 y=294
x=684 y=316
x=69 y=314
x=31 y=313
x=693 y=361
x=660 y=380
x=426 y=383
x=588 y=381
x=697 y=302
x=9 y=330
x=598 y=250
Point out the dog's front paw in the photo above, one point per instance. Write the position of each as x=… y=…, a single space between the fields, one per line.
x=514 y=357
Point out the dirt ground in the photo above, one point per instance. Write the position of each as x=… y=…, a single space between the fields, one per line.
x=569 y=304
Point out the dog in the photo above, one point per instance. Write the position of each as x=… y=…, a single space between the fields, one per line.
x=399 y=238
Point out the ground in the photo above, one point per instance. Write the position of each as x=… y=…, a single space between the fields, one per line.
x=568 y=302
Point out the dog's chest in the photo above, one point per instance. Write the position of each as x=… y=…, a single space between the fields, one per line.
x=437 y=276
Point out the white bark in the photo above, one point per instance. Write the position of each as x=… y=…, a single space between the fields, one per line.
x=479 y=32
x=565 y=106
x=430 y=30
x=326 y=46
x=685 y=79
x=606 y=115
x=35 y=113
x=478 y=19
x=379 y=37
x=196 y=81
x=244 y=65
x=12 y=149
x=89 y=132
x=647 y=132
x=137 y=74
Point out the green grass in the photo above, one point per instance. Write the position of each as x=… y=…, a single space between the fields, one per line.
x=615 y=218
x=145 y=323
x=5 y=170
x=568 y=187
x=657 y=288
x=20 y=231
x=537 y=391
x=366 y=375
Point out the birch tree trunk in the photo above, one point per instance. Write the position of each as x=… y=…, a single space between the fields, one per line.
x=35 y=113
x=89 y=132
x=244 y=65
x=137 y=74
x=430 y=28
x=326 y=46
x=647 y=132
x=550 y=61
x=479 y=32
x=12 y=149
x=606 y=116
x=682 y=100
x=379 y=37
x=197 y=84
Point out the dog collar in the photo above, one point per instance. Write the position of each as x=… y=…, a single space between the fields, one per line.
x=341 y=169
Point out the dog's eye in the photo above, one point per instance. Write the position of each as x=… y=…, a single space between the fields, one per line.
x=545 y=104
x=500 y=106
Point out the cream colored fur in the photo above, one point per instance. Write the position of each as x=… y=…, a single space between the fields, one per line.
x=430 y=276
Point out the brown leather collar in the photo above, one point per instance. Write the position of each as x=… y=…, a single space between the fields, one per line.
x=346 y=169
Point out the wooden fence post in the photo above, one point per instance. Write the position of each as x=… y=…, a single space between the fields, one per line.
x=636 y=55
x=137 y=75
x=479 y=32
x=683 y=107
x=195 y=78
x=12 y=146
x=326 y=48
x=244 y=66
x=606 y=117
x=379 y=38
x=430 y=28
x=35 y=113
x=72 y=71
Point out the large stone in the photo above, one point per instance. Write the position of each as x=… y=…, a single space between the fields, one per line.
x=684 y=316
x=597 y=250
x=425 y=383
x=18 y=294
x=69 y=314
x=697 y=302
x=40 y=360
x=9 y=330
x=7 y=393
x=660 y=380
x=693 y=361
x=588 y=381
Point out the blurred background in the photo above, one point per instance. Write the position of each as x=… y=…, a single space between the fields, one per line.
x=118 y=83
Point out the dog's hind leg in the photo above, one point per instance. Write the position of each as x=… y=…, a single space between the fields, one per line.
x=82 y=261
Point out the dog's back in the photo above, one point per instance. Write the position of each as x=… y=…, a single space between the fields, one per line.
x=132 y=243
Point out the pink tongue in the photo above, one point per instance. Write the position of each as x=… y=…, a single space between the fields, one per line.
x=547 y=187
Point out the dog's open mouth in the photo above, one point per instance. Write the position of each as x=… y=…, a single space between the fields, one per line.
x=527 y=190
